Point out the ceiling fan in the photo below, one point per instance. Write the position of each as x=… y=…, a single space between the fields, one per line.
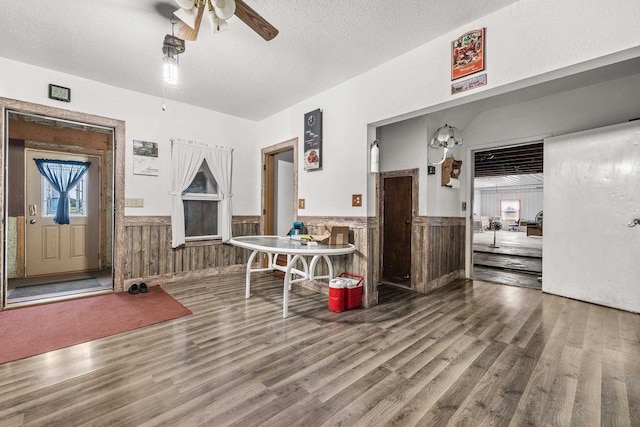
x=219 y=11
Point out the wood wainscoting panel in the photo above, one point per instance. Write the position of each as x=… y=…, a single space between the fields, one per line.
x=437 y=252
x=150 y=258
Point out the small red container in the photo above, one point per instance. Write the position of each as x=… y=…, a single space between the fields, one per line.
x=353 y=291
x=337 y=295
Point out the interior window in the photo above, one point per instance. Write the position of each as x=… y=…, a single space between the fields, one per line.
x=510 y=210
x=201 y=200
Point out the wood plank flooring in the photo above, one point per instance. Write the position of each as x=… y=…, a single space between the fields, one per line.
x=507 y=277
x=510 y=263
x=471 y=354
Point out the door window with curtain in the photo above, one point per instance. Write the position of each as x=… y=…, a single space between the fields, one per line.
x=62 y=177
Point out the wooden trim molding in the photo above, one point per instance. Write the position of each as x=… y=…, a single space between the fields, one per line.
x=237 y=219
x=351 y=221
x=139 y=221
x=438 y=221
x=166 y=220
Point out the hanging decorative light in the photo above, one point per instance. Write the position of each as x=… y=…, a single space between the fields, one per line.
x=446 y=138
x=172 y=47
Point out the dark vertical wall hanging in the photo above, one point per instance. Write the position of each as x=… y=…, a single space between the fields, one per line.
x=313 y=140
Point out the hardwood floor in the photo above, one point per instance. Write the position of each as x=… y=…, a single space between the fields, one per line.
x=472 y=354
x=517 y=261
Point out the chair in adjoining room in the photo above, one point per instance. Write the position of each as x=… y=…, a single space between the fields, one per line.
x=514 y=226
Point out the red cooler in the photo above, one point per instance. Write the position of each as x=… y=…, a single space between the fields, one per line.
x=337 y=294
x=353 y=292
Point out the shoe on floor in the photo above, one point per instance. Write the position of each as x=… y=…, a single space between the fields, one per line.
x=143 y=288
x=134 y=289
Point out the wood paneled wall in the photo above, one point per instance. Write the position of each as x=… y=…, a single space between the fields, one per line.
x=150 y=258
x=437 y=252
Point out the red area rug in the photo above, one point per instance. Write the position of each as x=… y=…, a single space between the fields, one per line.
x=29 y=331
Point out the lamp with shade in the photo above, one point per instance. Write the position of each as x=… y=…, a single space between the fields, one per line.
x=445 y=138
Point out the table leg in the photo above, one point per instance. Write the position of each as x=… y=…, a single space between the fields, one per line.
x=287 y=283
x=248 y=275
x=314 y=263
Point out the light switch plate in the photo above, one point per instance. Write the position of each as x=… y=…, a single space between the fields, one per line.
x=300 y=203
x=134 y=203
x=356 y=200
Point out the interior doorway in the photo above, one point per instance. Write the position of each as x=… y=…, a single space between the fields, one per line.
x=508 y=215
x=397 y=195
x=52 y=252
x=279 y=187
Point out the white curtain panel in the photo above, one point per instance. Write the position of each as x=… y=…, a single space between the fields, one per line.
x=219 y=161
x=186 y=157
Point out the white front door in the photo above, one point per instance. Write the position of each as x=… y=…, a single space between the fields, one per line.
x=591 y=193
x=52 y=248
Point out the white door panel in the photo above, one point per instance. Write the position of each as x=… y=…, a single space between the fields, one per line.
x=52 y=248
x=591 y=191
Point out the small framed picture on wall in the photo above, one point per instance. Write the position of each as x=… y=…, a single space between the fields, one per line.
x=467 y=54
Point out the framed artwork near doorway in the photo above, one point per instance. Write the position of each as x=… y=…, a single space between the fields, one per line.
x=467 y=54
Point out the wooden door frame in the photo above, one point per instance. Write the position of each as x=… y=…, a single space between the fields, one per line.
x=414 y=174
x=267 y=191
x=118 y=150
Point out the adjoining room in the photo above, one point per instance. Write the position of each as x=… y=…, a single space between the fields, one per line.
x=508 y=215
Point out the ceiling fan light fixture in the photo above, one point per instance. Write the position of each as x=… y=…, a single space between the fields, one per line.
x=217 y=24
x=188 y=16
x=224 y=9
x=186 y=4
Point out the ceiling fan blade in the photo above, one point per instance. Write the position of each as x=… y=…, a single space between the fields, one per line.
x=185 y=32
x=256 y=22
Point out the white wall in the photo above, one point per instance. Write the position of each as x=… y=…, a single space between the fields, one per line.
x=403 y=145
x=419 y=82
x=146 y=121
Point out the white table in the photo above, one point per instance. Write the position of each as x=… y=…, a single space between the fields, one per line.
x=295 y=251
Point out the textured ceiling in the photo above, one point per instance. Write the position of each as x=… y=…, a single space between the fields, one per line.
x=321 y=44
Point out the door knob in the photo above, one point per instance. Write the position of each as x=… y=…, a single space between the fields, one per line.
x=407 y=221
x=33 y=221
x=633 y=223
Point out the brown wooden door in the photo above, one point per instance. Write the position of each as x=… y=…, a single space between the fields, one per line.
x=398 y=215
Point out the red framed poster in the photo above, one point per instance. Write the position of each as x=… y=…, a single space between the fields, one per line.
x=467 y=54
